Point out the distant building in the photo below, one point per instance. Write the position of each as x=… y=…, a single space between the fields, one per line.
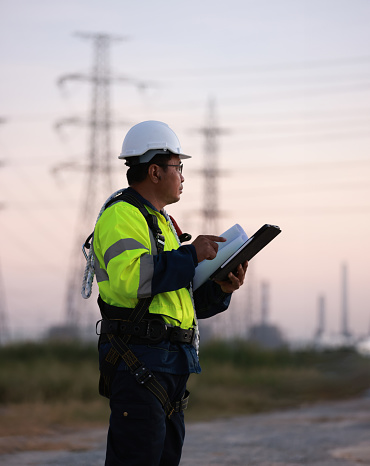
x=71 y=333
x=63 y=333
x=267 y=336
x=264 y=334
x=363 y=346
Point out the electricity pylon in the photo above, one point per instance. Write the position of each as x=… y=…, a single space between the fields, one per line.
x=346 y=334
x=265 y=302
x=98 y=182
x=210 y=211
x=4 y=330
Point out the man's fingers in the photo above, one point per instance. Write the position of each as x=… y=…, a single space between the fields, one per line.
x=234 y=280
x=218 y=239
x=207 y=246
x=212 y=250
x=213 y=246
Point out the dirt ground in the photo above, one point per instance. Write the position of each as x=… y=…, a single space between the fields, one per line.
x=327 y=434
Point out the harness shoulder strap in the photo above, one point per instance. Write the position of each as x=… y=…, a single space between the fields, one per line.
x=151 y=219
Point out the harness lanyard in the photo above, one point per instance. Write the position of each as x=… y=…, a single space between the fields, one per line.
x=88 y=276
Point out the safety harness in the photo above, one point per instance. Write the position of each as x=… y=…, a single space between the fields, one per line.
x=121 y=326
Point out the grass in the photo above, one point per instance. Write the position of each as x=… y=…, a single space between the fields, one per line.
x=33 y=372
x=46 y=386
x=241 y=379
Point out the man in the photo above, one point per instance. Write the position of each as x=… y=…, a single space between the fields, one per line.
x=149 y=329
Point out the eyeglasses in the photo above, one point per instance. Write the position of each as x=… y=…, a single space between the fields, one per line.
x=179 y=166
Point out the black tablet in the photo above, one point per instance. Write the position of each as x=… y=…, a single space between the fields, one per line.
x=249 y=249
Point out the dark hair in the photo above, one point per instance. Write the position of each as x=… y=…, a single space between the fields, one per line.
x=139 y=171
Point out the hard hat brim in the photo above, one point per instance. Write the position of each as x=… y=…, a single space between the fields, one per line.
x=147 y=157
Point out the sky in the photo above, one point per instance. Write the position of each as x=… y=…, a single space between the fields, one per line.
x=289 y=84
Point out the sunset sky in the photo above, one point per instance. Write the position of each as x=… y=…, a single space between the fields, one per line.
x=290 y=82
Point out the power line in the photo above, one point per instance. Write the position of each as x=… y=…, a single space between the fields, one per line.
x=302 y=189
x=298 y=93
x=26 y=247
x=308 y=211
x=259 y=98
x=305 y=114
x=42 y=224
x=314 y=166
x=304 y=139
x=268 y=67
x=303 y=126
x=344 y=113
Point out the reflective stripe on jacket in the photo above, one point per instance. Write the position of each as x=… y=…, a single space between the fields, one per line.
x=126 y=264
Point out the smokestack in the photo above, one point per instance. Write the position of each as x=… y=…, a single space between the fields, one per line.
x=321 y=318
x=345 y=330
x=264 y=303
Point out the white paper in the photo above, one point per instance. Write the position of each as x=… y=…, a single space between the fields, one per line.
x=235 y=237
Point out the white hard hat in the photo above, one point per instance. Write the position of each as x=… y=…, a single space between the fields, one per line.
x=145 y=138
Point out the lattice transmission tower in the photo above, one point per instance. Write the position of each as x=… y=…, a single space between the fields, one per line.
x=98 y=179
x=346 y=334
x=211 y=173
x=4 y=329
x=211 y=211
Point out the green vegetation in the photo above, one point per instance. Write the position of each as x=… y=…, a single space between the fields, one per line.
x=236 y=379
x=48 y=372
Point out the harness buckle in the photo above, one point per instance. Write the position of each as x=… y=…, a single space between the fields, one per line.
x=87 y=245
x=142 y=375
x=160 y=239
x=156 y=330
x=194 y=336
x=96 y=327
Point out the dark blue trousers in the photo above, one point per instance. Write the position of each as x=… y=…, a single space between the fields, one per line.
x=139 y=431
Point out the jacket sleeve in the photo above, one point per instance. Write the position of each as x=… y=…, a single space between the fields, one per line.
x=174 y=269
x=210 y=300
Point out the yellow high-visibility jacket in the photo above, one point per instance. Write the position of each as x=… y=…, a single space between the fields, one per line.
x=127 y=267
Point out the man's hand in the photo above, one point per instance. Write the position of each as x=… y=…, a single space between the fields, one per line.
x=234 y=282
x=206 y=246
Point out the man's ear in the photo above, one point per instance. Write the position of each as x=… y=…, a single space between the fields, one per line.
x=154 y=173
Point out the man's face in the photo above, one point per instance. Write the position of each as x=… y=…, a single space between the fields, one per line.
x=171 y=181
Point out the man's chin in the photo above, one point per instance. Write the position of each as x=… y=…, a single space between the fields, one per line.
x=173 y=200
